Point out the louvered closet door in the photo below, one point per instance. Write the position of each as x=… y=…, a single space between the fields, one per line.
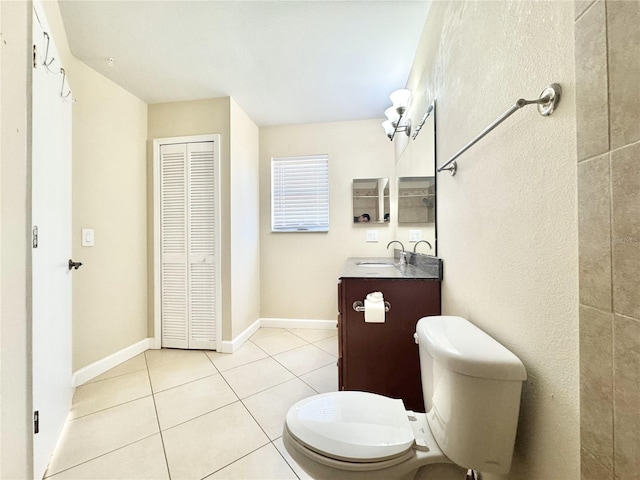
x=202 y=268
x=187 y=209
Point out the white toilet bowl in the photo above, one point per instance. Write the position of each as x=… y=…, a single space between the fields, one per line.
x=358 y=435
x=471 y=386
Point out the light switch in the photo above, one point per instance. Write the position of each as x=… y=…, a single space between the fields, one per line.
x=87 y=237
x=415 y=235
x=372 y=235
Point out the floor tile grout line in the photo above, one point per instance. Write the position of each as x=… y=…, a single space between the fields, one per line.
x=274 y=386
x=288 y=349
x=202 y=414
x=155 y=407
x=264 y=389
x=211 y=361
x=310 y=371
x=236 y=460
x=303 y=346
x=260 y=426
x=240 y=399
x=244 y=364
x=283 y=457
x=270 y=334
x=256 y=393
x=93 y=381
x=310 y=386
x=217 y=372
x=307 y=342
x=297 y=377
x=286 y=331
x=257 y=346
x=183 y=384
x=109 y=408
x=254 y=419
x=98 y=456
x=268 y=388
x=278 y=384
x=313 y=341
x=222 y=373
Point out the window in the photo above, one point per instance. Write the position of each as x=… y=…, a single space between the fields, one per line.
x=300 y=194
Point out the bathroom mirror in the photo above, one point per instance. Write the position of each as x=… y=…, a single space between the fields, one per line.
x=371 y=200
x=416 y=200
x=416 y=175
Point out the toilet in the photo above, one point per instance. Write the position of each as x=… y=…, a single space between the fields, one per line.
x=471 y=386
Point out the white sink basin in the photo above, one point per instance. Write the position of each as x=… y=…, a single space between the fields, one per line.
x=374 y=264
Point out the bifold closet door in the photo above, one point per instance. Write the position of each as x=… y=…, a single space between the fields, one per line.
x=188 y=241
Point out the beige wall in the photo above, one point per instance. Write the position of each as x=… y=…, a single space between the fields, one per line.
x=15 y=223
x=110 y=196
x=299 y=271
x=245 y=226
x=607 y=36
x=197 y=117
x=507 y=222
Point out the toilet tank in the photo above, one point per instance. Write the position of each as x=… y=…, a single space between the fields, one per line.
x=471 y=385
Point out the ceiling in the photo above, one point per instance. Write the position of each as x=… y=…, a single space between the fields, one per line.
x=283 y=62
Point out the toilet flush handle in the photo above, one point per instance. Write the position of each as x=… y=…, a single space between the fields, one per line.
x=415 y=338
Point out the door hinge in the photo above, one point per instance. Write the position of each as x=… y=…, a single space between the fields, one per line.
x=35 y=237
x=35 y=57
x=36 y=422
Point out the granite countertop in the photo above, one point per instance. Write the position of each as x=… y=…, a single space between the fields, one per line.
x=418 y=267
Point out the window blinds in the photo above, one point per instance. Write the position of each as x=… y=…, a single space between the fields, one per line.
x=300 y=194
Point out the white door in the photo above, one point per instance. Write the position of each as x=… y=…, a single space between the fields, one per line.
x=189 y=285
x=51 y=213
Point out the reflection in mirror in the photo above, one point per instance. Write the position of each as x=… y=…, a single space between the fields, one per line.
x=416 y=199
x=417 y=159
x=370 y=200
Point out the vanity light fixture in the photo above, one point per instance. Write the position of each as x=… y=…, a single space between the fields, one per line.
x=396 y=122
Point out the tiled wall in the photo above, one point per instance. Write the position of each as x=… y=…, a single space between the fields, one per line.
x=607 y=53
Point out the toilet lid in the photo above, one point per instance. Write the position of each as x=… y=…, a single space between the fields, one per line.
x=356 y=426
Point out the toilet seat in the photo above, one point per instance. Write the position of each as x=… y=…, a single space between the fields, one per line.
x=352 y=426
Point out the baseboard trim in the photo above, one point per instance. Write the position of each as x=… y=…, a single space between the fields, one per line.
x=298 y=323
x=96 y=368
x=230 y=346
x=226 y=346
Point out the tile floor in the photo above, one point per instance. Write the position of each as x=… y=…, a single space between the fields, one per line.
x=190 y=414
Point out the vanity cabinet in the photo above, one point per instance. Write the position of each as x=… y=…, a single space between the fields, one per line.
x=383 y=357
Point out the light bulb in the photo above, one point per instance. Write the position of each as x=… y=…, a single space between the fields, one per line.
x=388 y=128
x=400 y=99
x=392 y=115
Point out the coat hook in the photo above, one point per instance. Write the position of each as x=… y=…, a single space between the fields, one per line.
x=46 y=53
x=62 y=94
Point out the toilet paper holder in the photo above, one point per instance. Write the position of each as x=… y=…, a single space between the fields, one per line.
x=358 y=306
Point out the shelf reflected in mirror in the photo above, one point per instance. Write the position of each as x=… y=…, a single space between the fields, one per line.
x=371 y=200
x=416 y=200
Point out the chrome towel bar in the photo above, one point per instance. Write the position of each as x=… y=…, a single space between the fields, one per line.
x=547 y=103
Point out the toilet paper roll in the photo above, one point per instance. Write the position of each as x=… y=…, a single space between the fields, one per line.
x=374 y=308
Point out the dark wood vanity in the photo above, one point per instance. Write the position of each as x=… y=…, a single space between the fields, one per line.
x=383 y=357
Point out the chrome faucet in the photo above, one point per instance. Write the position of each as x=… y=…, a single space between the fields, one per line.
x=421 y=241
x=403 y=254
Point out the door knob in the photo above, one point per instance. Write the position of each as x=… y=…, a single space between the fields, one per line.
x=74 y=265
